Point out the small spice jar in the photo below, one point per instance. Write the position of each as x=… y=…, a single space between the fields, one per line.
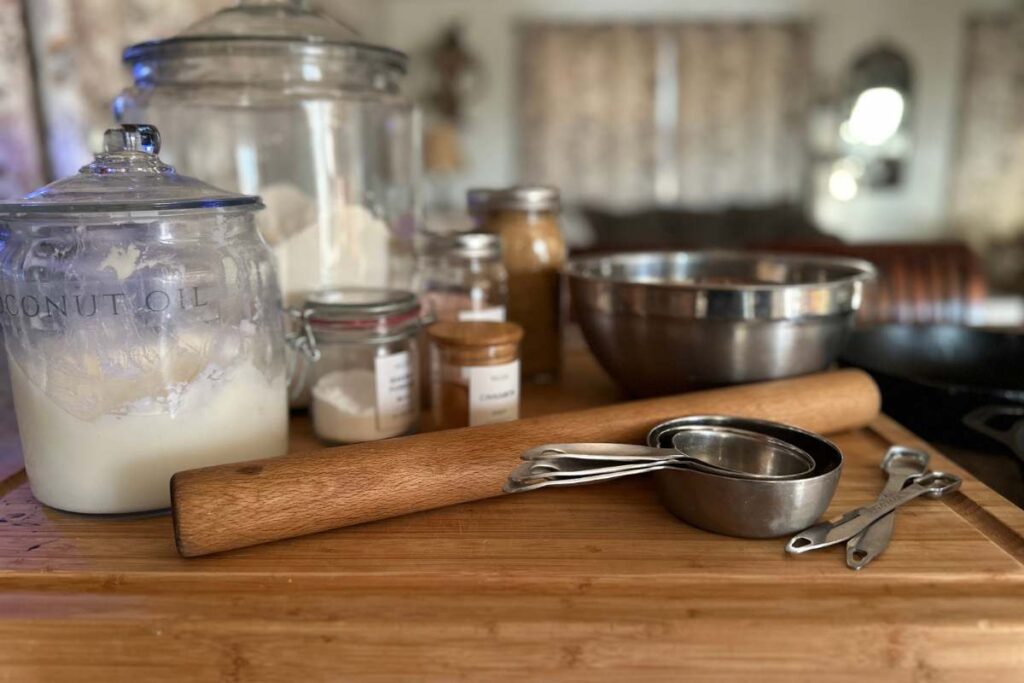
x=526 y=220
x=474 y=373
x=357 y=363
x=464 y=278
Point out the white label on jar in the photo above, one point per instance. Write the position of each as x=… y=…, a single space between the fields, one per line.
x=494 y=314
x=394 y=389
x=493 y=393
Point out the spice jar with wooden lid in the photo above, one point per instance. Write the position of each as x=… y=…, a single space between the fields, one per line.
x=474 y=373
x=526 y=219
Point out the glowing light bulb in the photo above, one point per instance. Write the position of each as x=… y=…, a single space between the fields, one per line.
x=875 y=118
x=842 y=184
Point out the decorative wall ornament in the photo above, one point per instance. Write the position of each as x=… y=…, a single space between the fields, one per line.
x=456 y=79
x=863 y=130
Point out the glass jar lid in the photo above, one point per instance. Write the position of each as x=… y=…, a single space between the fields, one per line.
x=356 y=304
x=127 y=176
x=288 y=27
x=526 y=198
x=467 y=245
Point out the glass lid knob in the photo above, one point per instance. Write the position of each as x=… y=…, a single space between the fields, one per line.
x=132 y=138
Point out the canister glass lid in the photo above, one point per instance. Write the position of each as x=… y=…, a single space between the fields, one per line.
x=127 y=176
x=358 y=303
x=288 y=27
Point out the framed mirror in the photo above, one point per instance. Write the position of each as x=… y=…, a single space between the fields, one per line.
x=874 y=136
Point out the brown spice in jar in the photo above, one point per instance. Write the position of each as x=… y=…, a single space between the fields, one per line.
x=458 y=345
x=534 y=252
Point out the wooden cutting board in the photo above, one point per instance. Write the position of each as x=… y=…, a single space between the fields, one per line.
x=597 y=583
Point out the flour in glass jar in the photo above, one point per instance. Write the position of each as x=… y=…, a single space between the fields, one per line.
x=357 y=404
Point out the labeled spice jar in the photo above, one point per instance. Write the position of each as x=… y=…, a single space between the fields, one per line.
x=356 y=363
x=474 y=373
x=464 y=278
x=533 y=249
x=144 y=330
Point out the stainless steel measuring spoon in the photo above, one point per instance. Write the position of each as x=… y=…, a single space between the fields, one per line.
x=931 y=484
x=903 y=465
x=719 y=450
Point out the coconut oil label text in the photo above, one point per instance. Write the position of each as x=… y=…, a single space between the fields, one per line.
x=103 y=304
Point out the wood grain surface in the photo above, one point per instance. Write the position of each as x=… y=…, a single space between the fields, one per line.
x=593 y=583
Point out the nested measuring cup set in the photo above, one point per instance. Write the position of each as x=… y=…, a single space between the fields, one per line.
x=747 y=478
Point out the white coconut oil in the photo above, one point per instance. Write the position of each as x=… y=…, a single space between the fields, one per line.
x=122 y=461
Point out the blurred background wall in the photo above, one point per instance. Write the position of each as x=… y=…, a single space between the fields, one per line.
x=774 y=75
x=931 y=32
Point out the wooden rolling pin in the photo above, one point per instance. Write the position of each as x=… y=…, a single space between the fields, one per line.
x=242 y=504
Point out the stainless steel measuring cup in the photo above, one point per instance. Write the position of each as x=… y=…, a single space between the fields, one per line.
x=747 y=508
x=719 y=450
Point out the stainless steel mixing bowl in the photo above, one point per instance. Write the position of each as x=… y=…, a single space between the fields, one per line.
x=667 y=322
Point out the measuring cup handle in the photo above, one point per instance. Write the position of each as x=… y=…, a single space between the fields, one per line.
x=514 y=485
x=599 y=451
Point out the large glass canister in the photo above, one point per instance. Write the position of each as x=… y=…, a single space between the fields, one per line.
x=268 y=97
x=143 y=327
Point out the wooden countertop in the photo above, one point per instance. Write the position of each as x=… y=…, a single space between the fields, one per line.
x=597 y=583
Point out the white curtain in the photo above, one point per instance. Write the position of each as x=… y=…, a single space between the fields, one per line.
x=988 y=177
x=699 y=114
x=21 y=159
x=587 y=116
x=78 y=71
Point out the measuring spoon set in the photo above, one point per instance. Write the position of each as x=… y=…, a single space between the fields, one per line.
x=868 y=529
x=747 y=478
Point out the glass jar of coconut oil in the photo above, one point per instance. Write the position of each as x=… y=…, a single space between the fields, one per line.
x=144 y=330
